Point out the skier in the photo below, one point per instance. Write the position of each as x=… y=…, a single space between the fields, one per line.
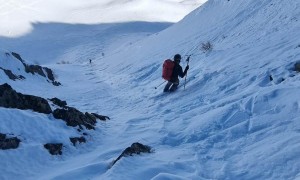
x=177 y=71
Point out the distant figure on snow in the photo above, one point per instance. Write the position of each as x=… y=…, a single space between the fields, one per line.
x=90 y=61
x=177 y=71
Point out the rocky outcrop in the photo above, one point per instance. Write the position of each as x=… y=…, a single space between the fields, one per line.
x=54 y=148
x=11 y=75
x=58 y=102
x=33 y=69
x=135 y=148
x=297 y=66
x=16 y=55
x=37 y=69
x=76 y=140
x=9 y=98
x=74 y=118
x=8 y=143
x=103 y=118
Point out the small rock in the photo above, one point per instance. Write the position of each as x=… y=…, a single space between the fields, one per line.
x=8 y=143
x=135 y=148
x=54 y=149
x=75 y=140
x=58 y=102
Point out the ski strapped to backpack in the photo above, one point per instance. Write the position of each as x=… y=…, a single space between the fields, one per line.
x=168 y=67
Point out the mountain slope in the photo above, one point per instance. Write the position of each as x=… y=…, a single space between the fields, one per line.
x=232 y=121
x=237 y=119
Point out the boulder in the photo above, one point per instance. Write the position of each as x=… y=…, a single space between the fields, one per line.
x=8 y=143
x=74 y=117
x=135 y=148
x=11 y=75
x=76 y=140
x=54 y=148
x=9 y=98
x=58 y=102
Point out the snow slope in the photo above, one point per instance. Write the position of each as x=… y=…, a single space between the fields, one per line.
x=33 y=27
x=231 y=122
x=18 y=15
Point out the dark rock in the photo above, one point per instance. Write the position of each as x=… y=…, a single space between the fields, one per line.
x=34 y=69
x=74 y=118
x=49 y=73
x=16 y=55
x=271 y=78
x=297 y=66
x=9 y=98
x=8 y=143
x=103 y=118
x=2 y=136
x=54 y=149
x=11 y=75
x=55 y=83
x=41 y=71
x=75 y=140
x=58 y=102
x=91 y=117
x=135 y=148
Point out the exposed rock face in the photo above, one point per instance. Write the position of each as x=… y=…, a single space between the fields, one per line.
x=40 y=70
x=297 y=66
x=33 y=69
x=54 y=149
x=59 y=102
x=103 y=118
x=75 y=140
x=8 y=143
x=16 y=55
x=74 y=117
x=11 y=75
x=135 y=148
x=9 y=98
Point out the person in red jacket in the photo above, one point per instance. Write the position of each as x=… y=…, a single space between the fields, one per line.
x=177 y=71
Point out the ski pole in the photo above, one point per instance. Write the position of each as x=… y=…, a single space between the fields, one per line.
x=187 y=60
x=160 y=84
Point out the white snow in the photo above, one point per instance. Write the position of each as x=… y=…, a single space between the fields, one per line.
x=231 y=121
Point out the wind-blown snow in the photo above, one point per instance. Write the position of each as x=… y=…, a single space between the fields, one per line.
x=231 y=122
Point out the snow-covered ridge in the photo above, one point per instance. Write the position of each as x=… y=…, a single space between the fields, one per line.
x=17 y=16
x=13 y=67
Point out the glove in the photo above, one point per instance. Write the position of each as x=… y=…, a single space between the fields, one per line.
x=187 y=67
x=188 y=59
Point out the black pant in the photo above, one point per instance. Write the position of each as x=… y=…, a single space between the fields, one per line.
x=173 y=86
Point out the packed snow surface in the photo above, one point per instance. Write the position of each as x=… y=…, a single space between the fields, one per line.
x=237 y=118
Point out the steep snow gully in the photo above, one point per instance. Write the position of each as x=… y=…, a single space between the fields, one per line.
x=237 y=119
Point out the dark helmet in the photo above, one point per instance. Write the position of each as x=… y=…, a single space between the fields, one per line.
x=177 y=57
